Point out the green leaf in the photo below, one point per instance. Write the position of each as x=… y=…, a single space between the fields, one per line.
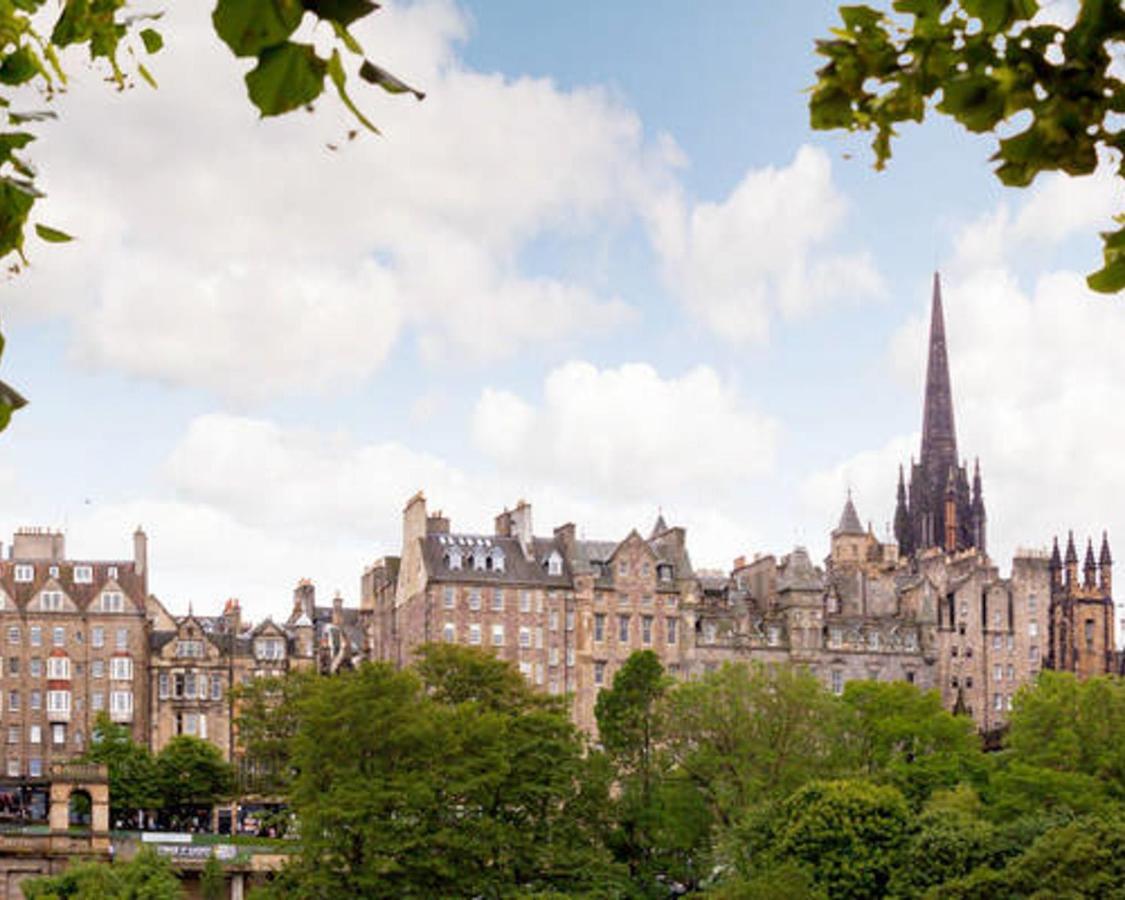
x=15 y=204
x=342 y=11
x=249 y=27
x=375 y=75
x=286 y=77
x=339 y=79
x=52 y=235
x=74 y=25
x=11 y=141
x=152 y=40
x=19 y=66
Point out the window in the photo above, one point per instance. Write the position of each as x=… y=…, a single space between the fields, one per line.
x=961 y=627
x=664 y=572
x=83 y=574
x=121 y=639
x=998 y=673
x=997 y=702
x=189 y=683
x=710 y=632
x=58 y=667
x=13 y=734
x=553 y=620
x=97 y=669
x=1089 y=634
x=35 y=635
x=51 y=601
x=474 y=598
x=162 y=685
x=525 y=670
x=1033 y=628
x=670 y=629
x=833 y=604
x=570 y=620
x=13 y=665
x=623 y=629
x=599 y=626
x=1011 y=642
x=645 y=568
x=272 y=648
x=570 y=656
x=525 y=601
x=911 y=641
x=13 y=768
x=837 y=681
x=178 y=685
x=111 y=573
x=953 y=650
x=34 y=734
x=35 y=767
x=97 y=636
x=498 y=600
x=23 y=573
x=58 y=636
x=121 y=668
x=1011 y=672
x=997 y=642
x=525 y=637
x=14 y=701
x=189 y=648
x=1032 y=603
x=623 y=568
x=13 y=634
x=35 y=667
x=1008 y=702
x=646 y=629
x=474 y=633
x=554 y=564
x=449 y=632
x=872 y=640
x=954 y=682
x=121 y=702
x=448 y=594
x=216 y=687
x=773 y=635
x=113 y=602
x=996 y=621
x=497 y=635
x=599 y=672
x=35 y=700
x=1033 y=654
x=553 y=656
x=910 y=677
x=58 y=701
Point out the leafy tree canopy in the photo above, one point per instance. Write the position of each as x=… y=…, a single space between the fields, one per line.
x=130 y=765
x=146 y=876
x=1048 y=93
x=191 y=772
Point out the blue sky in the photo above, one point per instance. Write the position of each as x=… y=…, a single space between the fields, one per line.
x=606 y=266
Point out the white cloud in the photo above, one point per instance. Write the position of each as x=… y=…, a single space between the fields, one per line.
x=763 y=251
x=218 y=250
x=629 y=433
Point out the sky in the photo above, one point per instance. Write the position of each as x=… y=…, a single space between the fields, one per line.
x=605 y=266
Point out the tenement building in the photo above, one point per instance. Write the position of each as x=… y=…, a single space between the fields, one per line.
x=929 y=607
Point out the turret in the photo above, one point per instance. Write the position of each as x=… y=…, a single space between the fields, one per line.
x=1071 y=560
x=902 y=517
x=980 y=518
x=1089 y=568
x=950 y=513
x=1055 y=566
x=1105 y=563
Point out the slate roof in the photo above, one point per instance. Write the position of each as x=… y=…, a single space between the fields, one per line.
x=849 y=519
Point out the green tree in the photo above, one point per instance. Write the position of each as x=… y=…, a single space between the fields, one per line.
x=747 y=733
x=850 y=833
x=990 y=69
x=945 y=845
x=212 y=880
x=146 y=876
x=191 y=773
x=131 y=769
x=904 y=736
x=265 y=722
x=402 y=794
x=452 y=674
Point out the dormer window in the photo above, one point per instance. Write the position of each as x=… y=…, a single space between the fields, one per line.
x=453 y=559
x=478 y=560
x=496 y=559
x=113 y=602
x=83 y=574
x=24 y=573
x=53 y=571
x=112 y=573
x=51 y=601
x=189 y=648
x=272 y=648
x=664 y=572
x=554 y=564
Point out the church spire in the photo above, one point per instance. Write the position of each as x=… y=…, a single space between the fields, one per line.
x=939 y=438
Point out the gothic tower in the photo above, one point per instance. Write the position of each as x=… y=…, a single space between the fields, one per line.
x=939 y=509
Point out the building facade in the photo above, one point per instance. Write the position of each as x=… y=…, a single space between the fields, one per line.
x=75 y=642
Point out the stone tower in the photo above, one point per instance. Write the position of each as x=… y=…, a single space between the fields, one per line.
x=1081 y=614
x=939 y=508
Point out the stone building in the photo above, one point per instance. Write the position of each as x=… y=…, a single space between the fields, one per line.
x=566 y=611
x=1081 y=614
x=75 y=643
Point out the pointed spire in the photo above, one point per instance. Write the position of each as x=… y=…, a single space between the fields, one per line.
x=1090 y=568
x=660 y=526
x=849 y=519
x=1056 y=557
x=1104 y=558
x=1071 y=553
x=902 y=517
x=939 y=438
